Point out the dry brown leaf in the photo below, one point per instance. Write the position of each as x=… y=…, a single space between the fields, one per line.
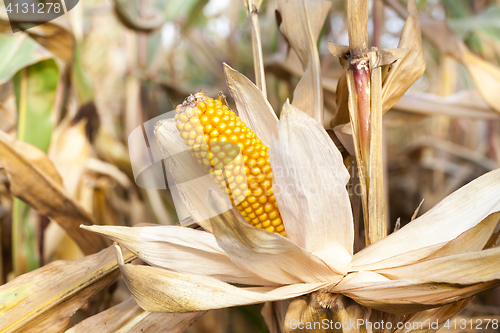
x=405 y=71
x=45 y=299
x=467 y=103
x=486 y=76
x=55 y=35
x=32 y=184
x=128 y=317
x=301 y=24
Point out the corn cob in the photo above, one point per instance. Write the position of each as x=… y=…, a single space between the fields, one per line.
x=215 y=135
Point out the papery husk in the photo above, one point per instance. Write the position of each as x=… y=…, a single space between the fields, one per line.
x=457 y=213
x=301 y=24
x=188 y=176
x=160 y=290
x=131 y=318
x=406 y=296
x=266 y=254
x=253 y=107
x=180 y=249
x=317 y=215
x=33 y=180
x=463 y=268
x=46 y=298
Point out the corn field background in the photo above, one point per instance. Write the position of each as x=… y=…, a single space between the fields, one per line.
x=74 y=89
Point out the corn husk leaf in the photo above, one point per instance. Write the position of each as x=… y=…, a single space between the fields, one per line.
x=128 y=317
x=464 y=268
x=317 y=215
x=189 y=251
x=266 y=254
x=45 y=299
x=405 y=71
x=189 y=178
x=30 y=183
x=404 y=296
x=457 y=213
x=253 y=107
x=301 y=24
x=159 y=290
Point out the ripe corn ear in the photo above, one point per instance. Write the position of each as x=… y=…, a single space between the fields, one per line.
x=216 y=136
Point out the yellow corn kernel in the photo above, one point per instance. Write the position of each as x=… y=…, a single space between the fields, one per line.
x=216 y=136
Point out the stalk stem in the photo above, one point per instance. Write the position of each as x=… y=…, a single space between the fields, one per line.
x=258 y=61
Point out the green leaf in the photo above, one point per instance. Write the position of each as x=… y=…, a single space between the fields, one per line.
x=19 y=51
x=35 y=88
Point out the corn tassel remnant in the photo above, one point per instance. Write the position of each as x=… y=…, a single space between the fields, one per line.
x=215 y=135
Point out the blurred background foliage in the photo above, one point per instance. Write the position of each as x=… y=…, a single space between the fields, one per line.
x=76 y=87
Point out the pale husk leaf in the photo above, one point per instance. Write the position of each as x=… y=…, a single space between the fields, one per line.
x=405 y=71
x=457 y=213
x=317 y=214
x=159 y=290
x=266 y=254
x=189 y=178
x=464 y=268
x=46 y=298
x=180 y=249
x=128 y=317
x=402 y=296
x=471 y=240
x=33 y=179
x=302 y=23
x=253 y=108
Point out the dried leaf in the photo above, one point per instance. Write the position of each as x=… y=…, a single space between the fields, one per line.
x=406 y=296
x=460 y=211
x=131 y=318
x=180 y=249
x=405 y=71
x=301 y=24
x=45 y=299
x=30 y=183
x=309 y=185
x=253 y=108
x=266 y=254
x=464 y=268
x=486 y=76
x=159 y=290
